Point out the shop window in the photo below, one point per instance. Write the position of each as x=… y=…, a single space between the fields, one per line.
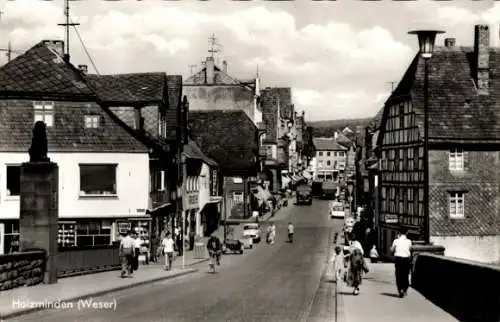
x=92 y=234
x=66 y=234
x=98 y=179
x=11 y=237
x=13 y=180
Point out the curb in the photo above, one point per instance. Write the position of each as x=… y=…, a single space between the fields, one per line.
x=99 y=293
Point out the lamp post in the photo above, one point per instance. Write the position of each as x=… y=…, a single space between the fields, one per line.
x=426 y=40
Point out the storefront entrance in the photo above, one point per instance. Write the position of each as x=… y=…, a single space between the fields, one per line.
x=210 y=218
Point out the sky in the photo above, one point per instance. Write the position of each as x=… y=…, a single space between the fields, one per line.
x=338 y=57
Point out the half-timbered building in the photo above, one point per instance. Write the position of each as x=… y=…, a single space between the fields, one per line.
x=463 y=186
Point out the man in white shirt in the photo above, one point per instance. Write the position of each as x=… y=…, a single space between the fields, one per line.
x=401 y=248
x=127 y=244
x=168 y=250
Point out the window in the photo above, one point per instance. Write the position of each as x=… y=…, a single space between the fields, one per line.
x=98 y=179
x=320 y=153
x=44 y=111
x=162 y=126
x=328 y=163
x=457 y=205
x=341 y=154
x=92 y=121
x=13 y=180
x=92 y=234
x=456 y=159
x=327 y=154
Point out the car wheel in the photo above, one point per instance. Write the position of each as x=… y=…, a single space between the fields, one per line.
x=241 y=251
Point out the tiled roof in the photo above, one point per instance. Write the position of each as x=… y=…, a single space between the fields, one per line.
x=41 y=74
x=327 y=144
x=138 y=88
x=229 y=137
x=456 y=111
x=269 y=116
x=193 y=151
x=41 y=71
x=375 y=121
x=68 y=134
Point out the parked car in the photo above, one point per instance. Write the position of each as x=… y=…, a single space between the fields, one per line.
x=232 y=245
x=247 y=241
x=253 y=230
x=337 y=210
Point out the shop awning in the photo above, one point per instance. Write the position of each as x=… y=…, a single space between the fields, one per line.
x=152 y=210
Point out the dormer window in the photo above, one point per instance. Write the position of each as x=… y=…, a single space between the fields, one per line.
x=91 y=121
x=44 y=111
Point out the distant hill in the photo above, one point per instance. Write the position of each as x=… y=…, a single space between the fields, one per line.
x=327 y=128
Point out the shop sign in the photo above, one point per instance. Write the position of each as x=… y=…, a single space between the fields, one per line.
x=191 y=200
x=391 y=219
x=124 y=227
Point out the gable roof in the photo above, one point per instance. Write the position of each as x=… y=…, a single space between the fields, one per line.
x=456 y=112
x=68 y=134
x=41 y=72
x=327 y=144
x=227 y=136
x=193 y=151
x=136 y=88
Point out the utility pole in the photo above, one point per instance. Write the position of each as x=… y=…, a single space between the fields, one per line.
x=181 y=139
x=66 y=25
x=215 y=47
x=191 y=68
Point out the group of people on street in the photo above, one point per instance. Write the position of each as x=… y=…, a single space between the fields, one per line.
x=350 y=265
x=130 y=249
x=271 y=233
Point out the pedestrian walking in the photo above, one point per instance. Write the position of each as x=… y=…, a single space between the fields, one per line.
x=273 y=233
x=137 y=251
x=338 y=266
x=374 y=254
x=356 y=266
x=401 y=248
x=168 y=250
x=290 y=229
x=126 y=251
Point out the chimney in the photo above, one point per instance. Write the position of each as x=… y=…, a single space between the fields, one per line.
x=482 y=51
x=210 y=72
x=224 y=66
x=449 y=42
x=83 y=69
x=55 y=45
x=336 y=135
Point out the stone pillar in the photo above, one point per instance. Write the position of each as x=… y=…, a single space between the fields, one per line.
x=39 y=212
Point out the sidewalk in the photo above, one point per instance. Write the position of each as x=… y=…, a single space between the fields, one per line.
x=24 y=300
x=378 y=300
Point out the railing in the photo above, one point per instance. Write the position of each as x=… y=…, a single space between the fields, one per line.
x=77 y=261
x=21 y=269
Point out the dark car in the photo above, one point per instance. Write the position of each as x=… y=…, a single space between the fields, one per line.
x=304 y=194
x=232 y=245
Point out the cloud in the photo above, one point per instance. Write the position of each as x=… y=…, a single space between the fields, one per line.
x=337 y=64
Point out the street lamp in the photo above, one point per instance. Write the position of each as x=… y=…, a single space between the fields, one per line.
x=426 y=40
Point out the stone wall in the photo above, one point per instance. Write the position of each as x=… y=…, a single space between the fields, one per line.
x=21 y=269
x=485 y=249
x=470 y=291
